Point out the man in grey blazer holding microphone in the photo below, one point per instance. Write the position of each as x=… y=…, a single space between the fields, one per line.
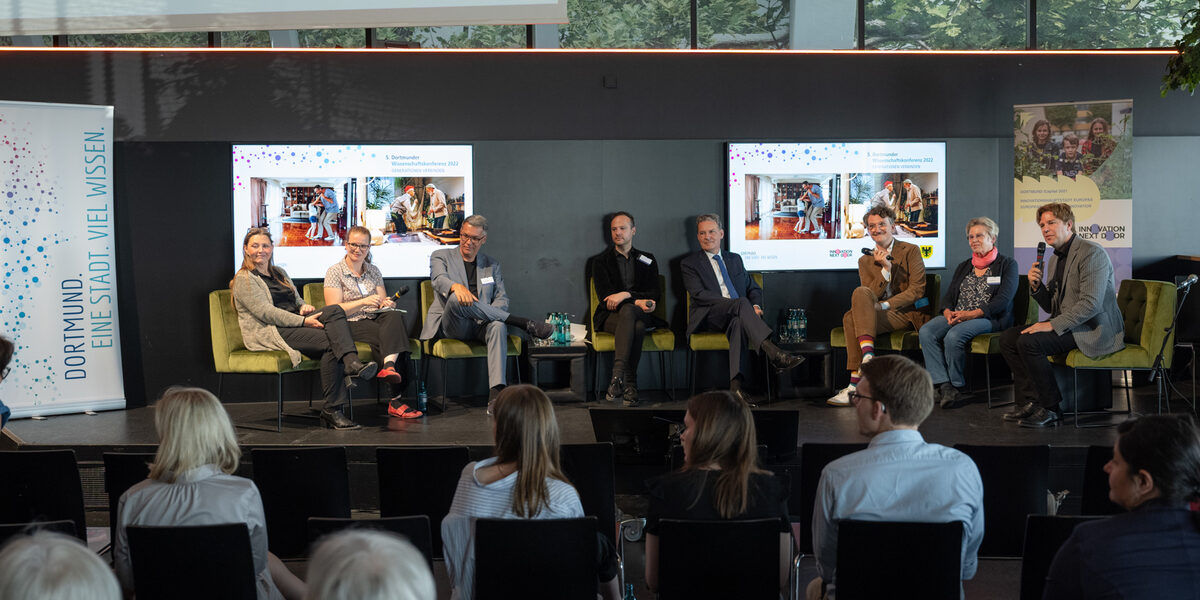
x=469 y=302
x=1082 y=303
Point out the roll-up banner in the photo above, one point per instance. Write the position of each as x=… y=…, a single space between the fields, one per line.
x=59 y=298
x=1079 y=153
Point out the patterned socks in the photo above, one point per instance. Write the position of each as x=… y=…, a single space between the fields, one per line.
x=867 y=344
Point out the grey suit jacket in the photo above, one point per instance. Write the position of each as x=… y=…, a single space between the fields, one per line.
x=1086 y=302
x=446 y=269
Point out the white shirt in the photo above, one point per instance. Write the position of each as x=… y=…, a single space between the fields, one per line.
x=201 y=496
x=717 y=271
x=475 y=500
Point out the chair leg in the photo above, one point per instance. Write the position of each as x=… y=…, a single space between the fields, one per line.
x=669 y=374
x=279 y=403
x=987 y=370
x=445 y=383
x=221 y=382
x=691 y=375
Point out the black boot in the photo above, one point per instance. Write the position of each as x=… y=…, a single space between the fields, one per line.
x=335 y=419
x=355 y=369
x=616 y=389
x=782 y=361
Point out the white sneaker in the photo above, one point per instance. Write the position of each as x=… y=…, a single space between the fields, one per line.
x=823 y=235
x=842 y=398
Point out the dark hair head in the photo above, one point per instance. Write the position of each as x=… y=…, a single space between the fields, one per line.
x=901 y=385
x=1168 y=448
x=6 y=351
x=621 y=213
x=881 y=211
x=723 y=434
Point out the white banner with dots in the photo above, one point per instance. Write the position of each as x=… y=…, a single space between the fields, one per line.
x=59 y=298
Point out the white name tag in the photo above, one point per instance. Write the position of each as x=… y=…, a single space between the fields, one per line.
x=486 y=280
x=993 y=280
x=645 y=259
x=364 y=288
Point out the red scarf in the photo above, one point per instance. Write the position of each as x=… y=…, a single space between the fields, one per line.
x=982 y=262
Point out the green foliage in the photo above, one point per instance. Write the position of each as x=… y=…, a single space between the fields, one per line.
x=860 y=188
x=379 y=193
x=162 y=39
x=333 y=38
x=245 y=39
x=1109 y=23
x=626 y=24
x=1115 y=176
x=1029 y=162
x=743 y=23
x=945 y=24
x=473 y=36
x=1061 y=115
x=1183 y=70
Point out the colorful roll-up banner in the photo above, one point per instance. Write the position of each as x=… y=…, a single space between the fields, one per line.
x=1080 y=153
x=59 y=296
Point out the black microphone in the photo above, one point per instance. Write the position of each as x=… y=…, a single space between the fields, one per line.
x=869 y=252
x=400 y=292
x=1187 y=283
x=1041 y=252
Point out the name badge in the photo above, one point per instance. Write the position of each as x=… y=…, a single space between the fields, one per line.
x=486 y=280
x=993 y=280
x=364 y=289
x=645 y=259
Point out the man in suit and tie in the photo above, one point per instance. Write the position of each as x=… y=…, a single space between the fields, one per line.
x=1082 y=303
x=469 y=301
x=890 y=295
x=627 y=286
x=725 y=298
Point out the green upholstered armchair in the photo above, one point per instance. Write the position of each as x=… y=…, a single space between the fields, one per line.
x=1147 y=308
x=445 y=349
x=713 y=341
x=660 y=341
x=231 y=356
x=904 y=339
x=1025 y=313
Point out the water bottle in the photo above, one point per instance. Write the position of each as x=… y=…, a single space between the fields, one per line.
x=422 y=398
x=560 y=325
x=793 y=326
x=803 y=326
x=629 y=592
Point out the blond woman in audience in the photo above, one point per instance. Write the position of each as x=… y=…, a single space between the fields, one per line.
x=53 y=566
x=362 y=564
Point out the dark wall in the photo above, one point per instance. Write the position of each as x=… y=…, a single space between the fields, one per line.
x=555 y=151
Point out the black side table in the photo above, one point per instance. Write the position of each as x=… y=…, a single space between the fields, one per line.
x=810 y=350
x=576 y=352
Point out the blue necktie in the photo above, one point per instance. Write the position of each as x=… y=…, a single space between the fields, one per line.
x=725 y=275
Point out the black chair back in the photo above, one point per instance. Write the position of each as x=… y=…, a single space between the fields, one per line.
x=122 y=470
x=718 y=559
x=879 y=559
x=186 y=563
x=813 y=458
x=41 y=485
x=779 y=431
x=1015 y=483
x=590 y=469
x=420 y=481
x=1044 y=535
x=1094 y=499
x=413 y=528
x=9 y=530
x=544 y=559
x=298 y=483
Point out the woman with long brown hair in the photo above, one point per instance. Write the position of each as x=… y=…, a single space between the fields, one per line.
x=272 y=316
x=720 y=478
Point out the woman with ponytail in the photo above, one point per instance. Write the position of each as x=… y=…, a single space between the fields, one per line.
x=720 y=478
x=1153 y=551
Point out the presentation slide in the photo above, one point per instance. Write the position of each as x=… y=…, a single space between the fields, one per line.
x=411 y=198
x=800 y=206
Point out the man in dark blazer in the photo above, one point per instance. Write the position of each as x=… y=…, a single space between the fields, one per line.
x=1082 y=303
x=725 y=298
x=469 y=301
x=626 y=281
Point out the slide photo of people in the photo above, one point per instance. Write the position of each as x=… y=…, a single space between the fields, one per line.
x=406 y=210
x=912 y=196
x=1069 y=139
x=301 y=211
x=792 y=207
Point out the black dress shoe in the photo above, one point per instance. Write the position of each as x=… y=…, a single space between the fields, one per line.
x=357 y=370
x=785 y=362
x=539 y=329
x=952 y=398
x=616 y=389
x=1040 y=418
x=630 y=395
x=334 y=419
x=744 y=397
x=1020 y=411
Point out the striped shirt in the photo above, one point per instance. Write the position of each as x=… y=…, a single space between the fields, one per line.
x=475 y=500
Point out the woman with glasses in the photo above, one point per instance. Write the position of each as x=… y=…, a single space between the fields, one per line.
x=1152 y=551
x=272 y=316
x=356 y=285
x=979 y=300
x=720 y=478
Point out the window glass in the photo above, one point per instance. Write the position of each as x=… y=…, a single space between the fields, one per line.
x=743 y=24
x=245 y=39
x=1107 y=24
x=162 y=39
x=473 y=36
x=626 y=24
x=945 y=24
x=333 y=38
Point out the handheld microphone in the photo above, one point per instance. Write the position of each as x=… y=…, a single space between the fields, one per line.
x=400 y=292
x=1041 y=252
x=870 y=252
x=1187 y=283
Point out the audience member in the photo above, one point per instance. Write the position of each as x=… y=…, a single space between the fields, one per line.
x=1153 y=551
x=720 y=478
x=191 y=482
x=979 y=300
x=362 y=564
x=522 y=481
x=899 y=477
x=52 y=566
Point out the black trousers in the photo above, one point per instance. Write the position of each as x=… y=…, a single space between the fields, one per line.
x=1033 y=375
x=741 y=326
x=398 y=219
x=386 y=334
x=332 y=344
x=628 y=325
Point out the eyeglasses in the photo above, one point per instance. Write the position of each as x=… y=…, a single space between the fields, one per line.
x=473 y=238
x=358 y=246
x=855 y=397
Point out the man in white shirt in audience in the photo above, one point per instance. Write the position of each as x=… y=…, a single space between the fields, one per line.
x=899 y=477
